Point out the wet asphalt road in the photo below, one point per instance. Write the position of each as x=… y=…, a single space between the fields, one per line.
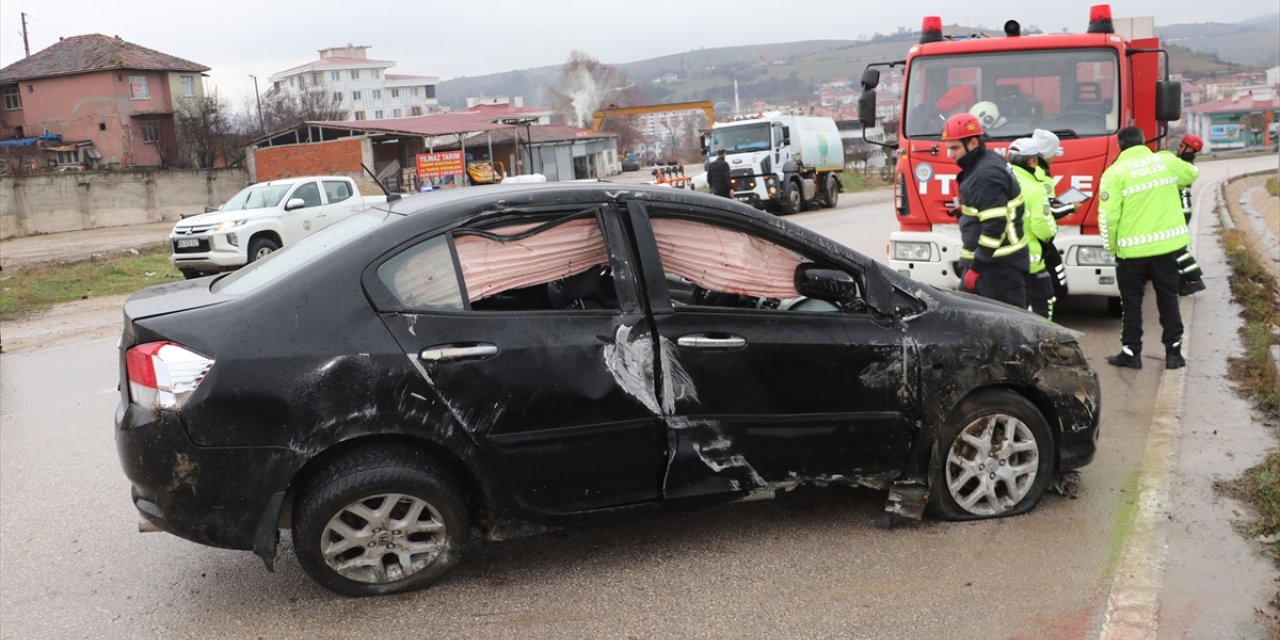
x=810 y=564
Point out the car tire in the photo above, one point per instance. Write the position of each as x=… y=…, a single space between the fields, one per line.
x=832 y=195
x=261 y=248
x=366 y=500
x=792 y=200
x=190 y=274
x=977 y=472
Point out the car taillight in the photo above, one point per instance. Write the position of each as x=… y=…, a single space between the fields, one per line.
x=163 y=374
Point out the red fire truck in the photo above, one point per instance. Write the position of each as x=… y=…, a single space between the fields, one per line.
x=1083 y=87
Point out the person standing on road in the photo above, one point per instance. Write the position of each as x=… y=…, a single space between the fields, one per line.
x=1050 y=147
x=1024 y=157
x=1140 y=218
x=718 y=176
x=1190 y=277
x=993 y=260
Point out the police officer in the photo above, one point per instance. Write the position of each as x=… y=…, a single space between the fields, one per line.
x=1040 y=227
x=1140 y=217
x=993 y=259
x=1050 y=147
x=1190 y=277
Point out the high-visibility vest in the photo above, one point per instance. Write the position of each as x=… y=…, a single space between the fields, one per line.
x=1139 y=203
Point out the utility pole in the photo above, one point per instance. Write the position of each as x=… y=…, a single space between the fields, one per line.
x=258 y=96
x=26 y=46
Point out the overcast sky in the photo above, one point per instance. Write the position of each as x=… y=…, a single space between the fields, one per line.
x=236 y=38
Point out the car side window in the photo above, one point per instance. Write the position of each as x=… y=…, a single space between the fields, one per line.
x=423 y=277
x=708 y=265
x=309 y=192
x=336 y=190
x=550 y=265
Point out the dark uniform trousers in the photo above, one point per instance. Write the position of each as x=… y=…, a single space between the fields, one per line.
x=1132 y=275
x=1004 y=282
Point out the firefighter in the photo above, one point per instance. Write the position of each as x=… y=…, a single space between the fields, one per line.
x=1140 y=219
x=1038 y=222
x=1190 y=277
x=993 y=260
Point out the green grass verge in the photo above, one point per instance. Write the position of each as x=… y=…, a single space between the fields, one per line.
x=1273 y=186
x=854 y=182
x=1255 y=289
x=29 y=289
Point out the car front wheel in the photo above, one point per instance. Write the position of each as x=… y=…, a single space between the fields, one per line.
x=995 y=458
x=379 y=521
x=261 y=248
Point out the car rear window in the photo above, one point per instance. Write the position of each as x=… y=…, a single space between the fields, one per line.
x=299 y=254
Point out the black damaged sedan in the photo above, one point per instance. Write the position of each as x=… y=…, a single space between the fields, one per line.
x=522 y=358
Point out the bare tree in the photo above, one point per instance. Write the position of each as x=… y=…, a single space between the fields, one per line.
x=583 y=86
x=203 y=128
x=281 y=111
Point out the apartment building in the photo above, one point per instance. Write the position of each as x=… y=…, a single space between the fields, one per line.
x=360 y=85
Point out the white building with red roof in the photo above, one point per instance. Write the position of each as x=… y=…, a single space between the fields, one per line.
x=1246 y=120
x=360 y=85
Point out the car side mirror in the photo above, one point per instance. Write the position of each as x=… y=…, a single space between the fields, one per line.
x=294 y=203
x=825 y=283
x=208 y=209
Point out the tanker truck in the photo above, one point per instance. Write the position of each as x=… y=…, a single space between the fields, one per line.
x=781 y=162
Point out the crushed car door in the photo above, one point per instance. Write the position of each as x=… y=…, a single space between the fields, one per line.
x=770 y=388
x=512 y=322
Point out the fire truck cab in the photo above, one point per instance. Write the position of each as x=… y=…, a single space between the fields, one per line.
x=1083 y=87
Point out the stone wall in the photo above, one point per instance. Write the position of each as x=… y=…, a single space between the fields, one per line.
x=50 y=203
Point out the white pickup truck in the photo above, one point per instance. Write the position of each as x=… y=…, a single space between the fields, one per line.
x=263 y=218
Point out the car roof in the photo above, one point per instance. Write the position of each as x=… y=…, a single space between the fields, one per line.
x=542 y=193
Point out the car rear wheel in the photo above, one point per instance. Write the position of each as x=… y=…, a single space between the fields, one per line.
x=994 y=458
x=833 y=192
x=190 y=274
x=261 y=248
x=379 y=521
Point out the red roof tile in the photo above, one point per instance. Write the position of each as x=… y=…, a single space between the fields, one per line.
x=94 y=52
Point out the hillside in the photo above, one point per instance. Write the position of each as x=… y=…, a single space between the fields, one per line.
x=1254 y=43
x=785 y=72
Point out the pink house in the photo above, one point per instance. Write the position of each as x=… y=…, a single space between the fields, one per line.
x=113 y=102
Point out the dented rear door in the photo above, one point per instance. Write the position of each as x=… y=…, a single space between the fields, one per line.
x=545 y=393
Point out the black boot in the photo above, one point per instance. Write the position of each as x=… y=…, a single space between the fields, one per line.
x=1173 y=356
x=1126 y=358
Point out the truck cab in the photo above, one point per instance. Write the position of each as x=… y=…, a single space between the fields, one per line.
x=1083 y=87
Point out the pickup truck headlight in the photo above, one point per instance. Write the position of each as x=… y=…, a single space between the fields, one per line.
x=229 y=225
x=1095 y=257
x=912 y=251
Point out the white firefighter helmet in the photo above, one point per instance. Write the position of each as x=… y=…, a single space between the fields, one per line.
x=988 y=113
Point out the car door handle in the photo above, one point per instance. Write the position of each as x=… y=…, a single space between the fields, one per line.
x=455 y=352
x=706 y=341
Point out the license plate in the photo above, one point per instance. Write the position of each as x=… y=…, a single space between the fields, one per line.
x=188 y=242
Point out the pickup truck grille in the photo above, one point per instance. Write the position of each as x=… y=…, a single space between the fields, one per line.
x=193 y=230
